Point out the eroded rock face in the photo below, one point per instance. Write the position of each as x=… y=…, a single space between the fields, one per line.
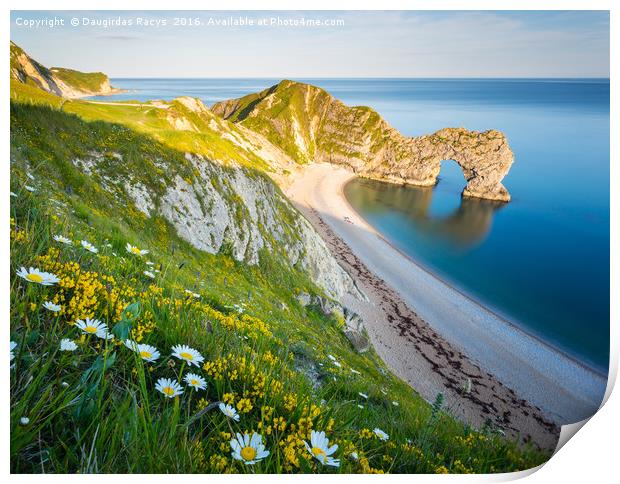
x=485 y=158
x=229 y=207
x=311 y=126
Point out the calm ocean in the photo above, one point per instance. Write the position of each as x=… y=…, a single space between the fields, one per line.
x=542 y=260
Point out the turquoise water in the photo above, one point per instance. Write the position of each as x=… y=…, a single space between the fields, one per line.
x=542 y=260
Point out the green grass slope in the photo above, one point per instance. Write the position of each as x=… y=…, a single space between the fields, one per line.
x=285 y=369
x=201 y=131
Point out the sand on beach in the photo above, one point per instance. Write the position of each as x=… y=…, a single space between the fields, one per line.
x=436 y=338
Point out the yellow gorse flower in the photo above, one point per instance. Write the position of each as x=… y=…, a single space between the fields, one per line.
x=19 y=236
x=244 y=405
x=290 y=401
x=86 y=294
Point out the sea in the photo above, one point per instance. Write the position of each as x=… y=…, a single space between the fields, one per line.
x=540 y=261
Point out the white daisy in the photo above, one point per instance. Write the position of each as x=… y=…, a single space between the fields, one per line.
x=355 y=372
x=229 y=411
x=50 y=306
x=94 y=326
x=67 y=345
x=24 y=421
x=29 y=188
x=168 y=387
x=195 y=381
x=331 y=357
x=35 y=275
x=62 y=239
x=132 y=249
x=149 y=263
x=148 y=353
x=381 y=434
x=89 y=247
x=131 y=344
x=29 y=176
x=184 y=352
x=13 y=194
x=248 y=449
x=149 y=274
x=319 y=448
x=363 y=395
x=337 y=364
x=13 y=346
x=395 y=403
x=193 y=294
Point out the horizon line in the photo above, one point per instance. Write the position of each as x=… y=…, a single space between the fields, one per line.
x=361 y=77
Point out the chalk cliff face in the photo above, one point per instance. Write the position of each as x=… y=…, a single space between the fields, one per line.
x=312 y=126
x=60 y=81
x=219 y=205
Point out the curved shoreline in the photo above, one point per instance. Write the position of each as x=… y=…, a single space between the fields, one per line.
x=563 y=389
x=483 y=306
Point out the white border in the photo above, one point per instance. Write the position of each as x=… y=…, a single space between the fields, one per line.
x=592 y=454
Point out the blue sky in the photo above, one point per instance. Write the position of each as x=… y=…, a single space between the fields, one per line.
x=369 y=44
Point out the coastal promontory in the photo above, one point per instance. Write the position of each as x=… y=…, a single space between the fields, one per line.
x=61 y=81
x=310 y=125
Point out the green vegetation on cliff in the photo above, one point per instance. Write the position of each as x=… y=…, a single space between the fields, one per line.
x=202 y=134
x=82 y=81
x=306 y=121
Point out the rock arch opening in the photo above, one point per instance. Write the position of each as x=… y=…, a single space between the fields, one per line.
x=484 y=158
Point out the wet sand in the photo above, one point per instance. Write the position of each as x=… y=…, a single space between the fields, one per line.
x=439 y=340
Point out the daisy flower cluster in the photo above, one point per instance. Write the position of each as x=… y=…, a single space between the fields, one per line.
x=190 y=356
x=248 y=447
x=88 y=326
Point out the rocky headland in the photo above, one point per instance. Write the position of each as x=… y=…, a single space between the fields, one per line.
x=310 y=125
x=67 y=83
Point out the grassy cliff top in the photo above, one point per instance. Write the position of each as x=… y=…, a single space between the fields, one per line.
x=308 y=123
x=83 y=81
x=172 y=123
